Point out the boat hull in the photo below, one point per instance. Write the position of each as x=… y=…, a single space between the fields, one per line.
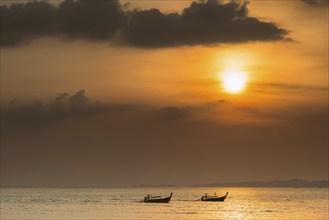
x=157 y=200
x=213 y=199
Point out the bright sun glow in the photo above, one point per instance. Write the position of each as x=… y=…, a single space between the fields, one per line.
x=234 y=81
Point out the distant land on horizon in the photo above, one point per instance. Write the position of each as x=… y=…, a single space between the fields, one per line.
x=274 y=183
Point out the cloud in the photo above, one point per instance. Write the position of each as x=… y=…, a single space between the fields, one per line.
x=65 y=106
x=59 y=144
x=22 y=119
x=93 y=20
x=175 y=112
x=269 y=87
x=98 y=19
x=79 y=98
x=80 y=144
x=316 y=3
x=61 y=96
x=202 y=23
x=22 y=22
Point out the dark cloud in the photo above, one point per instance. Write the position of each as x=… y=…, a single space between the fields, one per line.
x=174 y=112
x=202 y=23
x=114 y=145
x=316 y=3
x=22 y=22
x=271 y=87
x=79 y=98
x=61 y=96
x=101 y=144
x=22 y=119
x=97 y=19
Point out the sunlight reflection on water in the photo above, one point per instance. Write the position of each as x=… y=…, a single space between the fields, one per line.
x=241 y=203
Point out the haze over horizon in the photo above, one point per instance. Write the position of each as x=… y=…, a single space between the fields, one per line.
x=107 y=93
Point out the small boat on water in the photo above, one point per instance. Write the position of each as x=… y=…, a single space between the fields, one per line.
x=214 y=198
x=157 y=199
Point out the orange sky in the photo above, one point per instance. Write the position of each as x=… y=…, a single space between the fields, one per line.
x=285 y=100
x=104 y=70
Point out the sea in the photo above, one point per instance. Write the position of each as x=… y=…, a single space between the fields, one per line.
x=126 y=203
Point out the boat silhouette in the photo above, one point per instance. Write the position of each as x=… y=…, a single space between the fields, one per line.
x=215 y=198
x=157 y=199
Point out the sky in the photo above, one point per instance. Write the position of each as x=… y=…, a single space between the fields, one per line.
x=122 y=93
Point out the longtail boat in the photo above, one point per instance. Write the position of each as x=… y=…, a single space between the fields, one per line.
x=157 y=199
x=215 y=198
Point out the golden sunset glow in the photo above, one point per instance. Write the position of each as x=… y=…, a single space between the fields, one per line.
x=234 y=81
x=162 y=93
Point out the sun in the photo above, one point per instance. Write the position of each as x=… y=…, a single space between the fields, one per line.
x=234 y=81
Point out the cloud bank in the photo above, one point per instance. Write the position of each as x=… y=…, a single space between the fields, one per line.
x=76 y=141
x=202 y=23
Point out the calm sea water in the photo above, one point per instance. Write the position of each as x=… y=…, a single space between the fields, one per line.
x=241 y=203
